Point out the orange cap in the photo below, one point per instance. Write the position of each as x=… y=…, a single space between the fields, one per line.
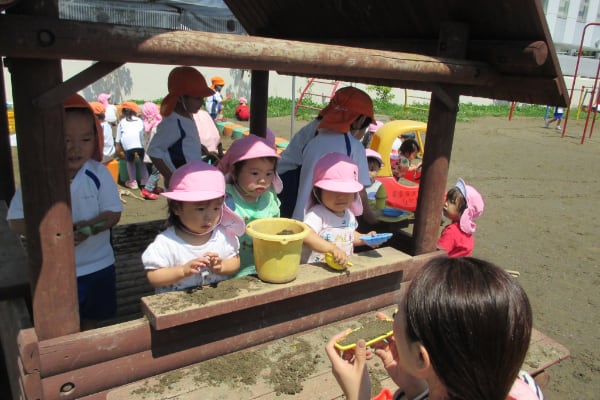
x=345 y=107
x=97 y=107
x=76 y=101
x=184 y=81
x=130 y=105
x=217 y=80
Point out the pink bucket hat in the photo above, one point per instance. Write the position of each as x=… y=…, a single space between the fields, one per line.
x=243 y=100
x=373 y=154
x=474 y=206
x=337 y=172
x=246 y=148
x=375 y=126
x=199 y=181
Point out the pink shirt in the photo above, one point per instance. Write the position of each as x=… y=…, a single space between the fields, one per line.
x=456 y=242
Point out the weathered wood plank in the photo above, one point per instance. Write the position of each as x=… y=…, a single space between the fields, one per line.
x=14 y=316
x=14 y=279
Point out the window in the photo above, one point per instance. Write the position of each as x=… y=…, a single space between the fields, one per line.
x=563 y=9
x=584 y=5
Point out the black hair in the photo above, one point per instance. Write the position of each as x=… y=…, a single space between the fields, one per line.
x=409 y=146
x=455 y=197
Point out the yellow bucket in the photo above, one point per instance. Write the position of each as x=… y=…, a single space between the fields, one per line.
x=277 y=247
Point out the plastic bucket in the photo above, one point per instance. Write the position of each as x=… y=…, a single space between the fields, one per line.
x=277 y=247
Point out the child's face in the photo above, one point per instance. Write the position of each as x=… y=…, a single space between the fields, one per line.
x=255 y=176
x=80 y=140
x=192 y=104
x=199 y=216
x=374 y=168
x=451 y=210
x=337 y=202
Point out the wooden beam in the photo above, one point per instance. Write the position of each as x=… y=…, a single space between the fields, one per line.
x=57 y=95
x=25 y=36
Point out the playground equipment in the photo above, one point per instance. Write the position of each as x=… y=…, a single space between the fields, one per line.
x=407 y=105
x=309 y=90
x=399 y=196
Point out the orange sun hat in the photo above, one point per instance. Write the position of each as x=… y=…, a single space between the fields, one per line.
x=76 y=101
x=217 y=80
x=344 y=108
x=183 y=81
x=130 y=105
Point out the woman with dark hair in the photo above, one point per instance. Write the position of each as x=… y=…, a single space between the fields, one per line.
x=462 y=331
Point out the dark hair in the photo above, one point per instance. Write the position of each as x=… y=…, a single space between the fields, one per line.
x=127 y=113
x=409 y=146
x=475 y=321
x=172 y=218
x=237 y=167
x=374 y=160
x=455 y=197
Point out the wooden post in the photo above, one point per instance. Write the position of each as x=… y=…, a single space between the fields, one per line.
x=440 y=135
x=46 y=195
x=259 y=102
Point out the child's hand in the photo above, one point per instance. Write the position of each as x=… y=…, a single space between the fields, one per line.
x=194 y=266
x=373 y=246
x=339 y=255
x=215 y=263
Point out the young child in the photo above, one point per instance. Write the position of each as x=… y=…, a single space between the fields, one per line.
x=463 y=205
x=200 y=246
x=250 y=170
x=242 y=111
x=409 y=149
x=177 y=141
x=152 y=118
x=130 y=133
x=214 y=103
x=336 y=203
x=556 y=117
x=108 y=153
x=376 y=190
x=95 y=207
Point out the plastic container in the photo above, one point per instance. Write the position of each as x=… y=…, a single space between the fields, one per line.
x=377 y=239
x=113 y=168
x=277 y=247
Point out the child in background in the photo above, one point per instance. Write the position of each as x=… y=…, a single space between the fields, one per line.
x=242 y=111
x=152 y=118
x=177 y=141
x=409 y=149
x=95 y=207
x=212 y=148
x=376 y=190
x=200 y=246
x=463 y=205
x=250 y=170
x=110 y=112
x=108 y=153
x=130 y=132
x=214 y=103
x=335 y=204
x=557 y=116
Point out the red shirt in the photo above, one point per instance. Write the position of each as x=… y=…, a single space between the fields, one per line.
x=456 y=242
x=242 y=112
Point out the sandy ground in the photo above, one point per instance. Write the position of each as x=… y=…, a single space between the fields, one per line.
x=541 y=192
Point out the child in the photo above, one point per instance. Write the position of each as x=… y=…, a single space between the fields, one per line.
x=463 y=205
x=409 y=149
x=558 y=114
x=376 y=190
x=177 y=141
x=200 y=246
x=130 y=132
x=152 y=118
x=242 y=111
x=110 y=112
x=95 y=207
x=214 y=103
x=108 y=153
x=250 y=169
x=336 y=203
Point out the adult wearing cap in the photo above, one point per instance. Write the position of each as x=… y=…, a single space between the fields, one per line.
x=214 y=103
x=290 y=164
x=177 y=141
x=110 y=113
x=341 y=129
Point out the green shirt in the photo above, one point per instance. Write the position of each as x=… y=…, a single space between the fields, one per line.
x=266 y=206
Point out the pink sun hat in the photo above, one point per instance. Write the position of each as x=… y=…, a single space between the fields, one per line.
x=474 y=208
x=373 y=154
x=337 y=172
x=246 y=148
x=199 y=181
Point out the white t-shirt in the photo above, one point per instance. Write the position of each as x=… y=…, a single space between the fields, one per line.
x=130 y=133
x=327 y=142
x=291 y=157
x=110 y=114
x=169 y=250
x=93 y=191
x=210 y=101
x=334 y=229
x=109 y=141
x=176 y=139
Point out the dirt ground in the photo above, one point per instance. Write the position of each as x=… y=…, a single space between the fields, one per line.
x=540 y=193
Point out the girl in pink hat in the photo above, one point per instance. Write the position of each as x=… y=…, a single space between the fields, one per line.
x=463 y=205
x=252 y=186
x=242 y=111
x=200 y=246
x=335 y=204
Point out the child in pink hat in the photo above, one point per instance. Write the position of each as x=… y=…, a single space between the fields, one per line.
x=375 y=190
x=242 y=111
x=335 y=204
x=463 y=205
x=252 y=186
x=200 y=245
